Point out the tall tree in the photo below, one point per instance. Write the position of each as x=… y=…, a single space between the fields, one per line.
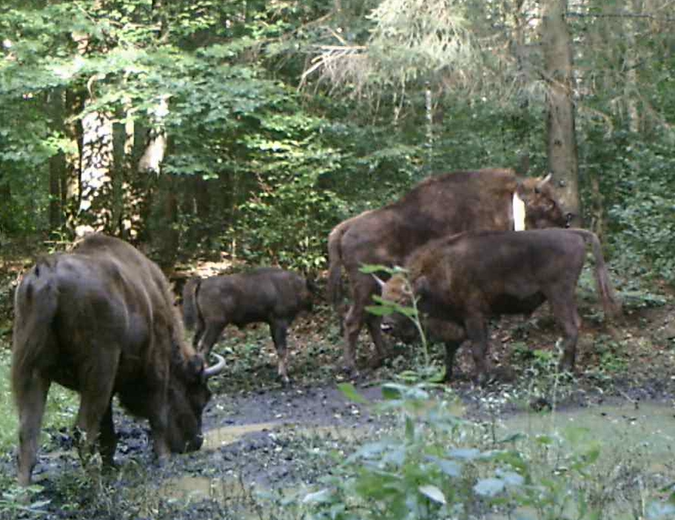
x=563 y=161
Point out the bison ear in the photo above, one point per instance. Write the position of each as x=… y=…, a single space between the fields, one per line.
x=195 y=367
x=421 y=286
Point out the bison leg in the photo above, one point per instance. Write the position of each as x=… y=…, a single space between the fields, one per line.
x=211 y=334
x=31 y=398
x=159 y=411
x=374 y=324
x=353 y=324
x=364 y=288
x=451 y=348
x=278 y=329
x=565 y=312
x=159 y=423
x=97 y=379
x=476 y=330
x=108 y=437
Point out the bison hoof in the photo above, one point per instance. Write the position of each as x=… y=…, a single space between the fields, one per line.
x=484 y=378
x=350 y=370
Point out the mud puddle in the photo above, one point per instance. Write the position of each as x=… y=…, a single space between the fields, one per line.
x=629 y=428
x=196 y=488
x=224 y=435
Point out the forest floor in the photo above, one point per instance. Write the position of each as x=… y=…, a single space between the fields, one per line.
x=261 y=435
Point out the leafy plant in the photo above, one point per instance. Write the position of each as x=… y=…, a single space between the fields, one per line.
x=387 y=307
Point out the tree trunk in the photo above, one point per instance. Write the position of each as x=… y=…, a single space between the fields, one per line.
x=96 y=177
x=631 y=85
x=58 y=166
x=70 y=182
x=563 y=161
x=519 y=45
x=164 y=213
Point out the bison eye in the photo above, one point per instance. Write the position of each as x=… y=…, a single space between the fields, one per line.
x=537 y=190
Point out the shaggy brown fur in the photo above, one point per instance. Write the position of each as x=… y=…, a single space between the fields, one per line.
x=100 y=320
x=270 y=295
x=439 y=206
x=464 y=279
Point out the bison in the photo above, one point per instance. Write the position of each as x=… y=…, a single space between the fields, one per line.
x=270 y=295
x=438 y=206
x=466 y=278
x=100 y=320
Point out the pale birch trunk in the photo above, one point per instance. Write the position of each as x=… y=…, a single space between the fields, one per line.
x=96 y=179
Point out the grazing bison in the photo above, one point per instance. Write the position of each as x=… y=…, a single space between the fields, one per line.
x=439 y=206
x=270 y=295
x=466 y=278
x=100 y=320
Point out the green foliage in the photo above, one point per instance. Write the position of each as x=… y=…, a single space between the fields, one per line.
x=641 y=212
x=411 y=312
x=437 y=466
x=284 y=165
x=16 y=501
x=289 y=216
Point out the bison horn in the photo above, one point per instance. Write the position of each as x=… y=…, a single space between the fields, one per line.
x=379 y=281
x=545 y=180
x=217 y=368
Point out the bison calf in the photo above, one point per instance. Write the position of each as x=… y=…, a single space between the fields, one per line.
x=100 y=320
x=270 y=295
x=464 y=279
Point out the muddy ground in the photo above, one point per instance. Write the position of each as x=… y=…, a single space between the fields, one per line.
x=262 y=435
x=265 y=436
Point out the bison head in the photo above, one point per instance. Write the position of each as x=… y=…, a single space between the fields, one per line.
x=188 y=396
x=400 y=292
x=542 y=207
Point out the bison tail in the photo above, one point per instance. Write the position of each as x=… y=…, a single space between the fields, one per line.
x=35 y=307
x=610 y=303
x=335 y=264
x=190 y=310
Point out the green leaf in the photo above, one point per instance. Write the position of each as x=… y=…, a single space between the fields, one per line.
x=510 y=478
x=371 y=269
x=409 y=429
x=411 y=312
x=660 y=511
x=380 y=310
x=450 y=468
x=465 y=453
x=391 y=393
x=433 y=493
x=349 y=391
x=514 y=437
x=489 y=487
x=318 y=497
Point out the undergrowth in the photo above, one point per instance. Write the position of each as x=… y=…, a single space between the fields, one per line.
x=430 y=461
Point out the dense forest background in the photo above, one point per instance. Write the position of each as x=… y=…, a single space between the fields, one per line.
x=251 y=127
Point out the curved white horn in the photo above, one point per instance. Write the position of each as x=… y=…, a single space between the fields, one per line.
x=545 y=180
x=379 y=281
x=217 y=368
